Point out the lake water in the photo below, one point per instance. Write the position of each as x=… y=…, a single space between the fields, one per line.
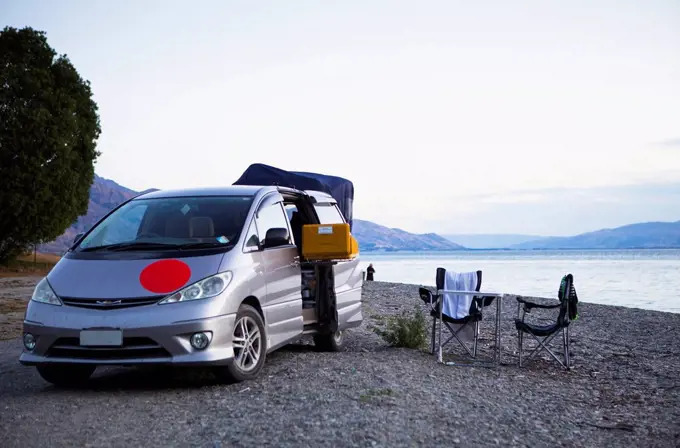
x=648 y=279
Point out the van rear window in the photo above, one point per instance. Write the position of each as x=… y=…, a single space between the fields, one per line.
x=328 y=214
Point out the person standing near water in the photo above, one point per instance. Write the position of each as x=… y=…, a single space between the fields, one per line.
x=369 y=272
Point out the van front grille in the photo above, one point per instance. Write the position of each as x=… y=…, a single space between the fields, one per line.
x=132 y=348
x=110 y=304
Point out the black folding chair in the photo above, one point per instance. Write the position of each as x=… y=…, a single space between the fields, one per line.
x=434 y=301
x=567 y=313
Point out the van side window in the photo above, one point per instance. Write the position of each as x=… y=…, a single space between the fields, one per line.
x=290 y=209
x=252 y=237
x=328 y=214
x=271 y=217
x=296 y=223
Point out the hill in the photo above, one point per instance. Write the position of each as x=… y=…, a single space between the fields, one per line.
x=106 y=194
x=491 y=241
x=373 y=236
x=646 y=235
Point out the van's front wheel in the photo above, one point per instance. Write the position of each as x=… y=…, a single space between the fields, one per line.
x=332 y=342
x=250 y=347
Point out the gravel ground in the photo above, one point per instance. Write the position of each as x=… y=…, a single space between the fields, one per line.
x=619 y=393
x=14 y=291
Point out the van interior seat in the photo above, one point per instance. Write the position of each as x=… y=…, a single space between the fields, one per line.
x=296 y=226
x=177 y=227
x=201 y=227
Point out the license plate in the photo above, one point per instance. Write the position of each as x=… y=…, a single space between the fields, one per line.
x=101 y=338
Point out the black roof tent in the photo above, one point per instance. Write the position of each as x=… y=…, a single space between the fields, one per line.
x=341 y=189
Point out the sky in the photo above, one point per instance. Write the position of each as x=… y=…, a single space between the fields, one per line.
x=534 y=117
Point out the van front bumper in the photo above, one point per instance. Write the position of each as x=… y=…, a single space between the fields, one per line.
x=163 y=343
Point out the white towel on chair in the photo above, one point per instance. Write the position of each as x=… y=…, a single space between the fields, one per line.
x=457 y=306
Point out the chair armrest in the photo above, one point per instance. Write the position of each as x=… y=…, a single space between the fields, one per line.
x=485 y=301
x=529 y=304
x=426 y=295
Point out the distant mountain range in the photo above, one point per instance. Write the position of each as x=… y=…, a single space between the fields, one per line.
x=106 y=194
x=646 y=235
x=491 y=241
x=373 y=236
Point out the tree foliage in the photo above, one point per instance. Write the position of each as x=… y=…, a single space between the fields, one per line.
x=49 y=128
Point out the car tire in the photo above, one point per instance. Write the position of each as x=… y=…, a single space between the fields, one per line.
x=66 y=375
x=244 y=367
x=333 y=342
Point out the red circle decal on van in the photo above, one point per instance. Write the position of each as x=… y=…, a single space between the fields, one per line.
x=164 y=276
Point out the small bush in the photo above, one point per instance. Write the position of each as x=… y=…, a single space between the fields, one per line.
x=376 y=393
x=17 y=266
x=407 y=330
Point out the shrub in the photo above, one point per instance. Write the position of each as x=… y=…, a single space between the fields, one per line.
x=407 y=330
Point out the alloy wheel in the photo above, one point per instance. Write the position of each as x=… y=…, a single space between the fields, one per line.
x=247 y=342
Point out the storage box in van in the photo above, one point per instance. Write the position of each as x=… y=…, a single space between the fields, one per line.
x=328 y=242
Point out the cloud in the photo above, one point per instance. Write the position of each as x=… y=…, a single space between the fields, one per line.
x=672 y=142
x=514 y=198
x=550 y=212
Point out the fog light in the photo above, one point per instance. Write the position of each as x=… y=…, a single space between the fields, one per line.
x=201 y=340
x=29 y=341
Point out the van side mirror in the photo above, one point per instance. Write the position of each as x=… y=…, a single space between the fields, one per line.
x=275 y=237
x=78 y=238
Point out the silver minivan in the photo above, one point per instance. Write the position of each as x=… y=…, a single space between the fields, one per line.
x=197 y=277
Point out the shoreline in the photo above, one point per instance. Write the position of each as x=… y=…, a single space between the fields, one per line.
x=512 y=297
x=507 y=249
x=632 y=279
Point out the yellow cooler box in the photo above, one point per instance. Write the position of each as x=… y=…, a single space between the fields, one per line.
x=328 y=242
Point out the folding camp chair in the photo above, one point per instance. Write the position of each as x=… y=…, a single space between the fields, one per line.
x=434 y=301
x=568 y=312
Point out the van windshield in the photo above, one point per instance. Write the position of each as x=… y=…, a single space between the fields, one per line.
x=186 y=223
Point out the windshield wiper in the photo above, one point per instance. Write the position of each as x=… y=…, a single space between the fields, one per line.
x=204 y=245
x=130 y=245
x=142 y=245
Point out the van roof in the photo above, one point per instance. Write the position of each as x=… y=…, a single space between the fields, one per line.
x=231 y=190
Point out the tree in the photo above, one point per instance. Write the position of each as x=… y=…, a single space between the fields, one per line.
x=49 y=128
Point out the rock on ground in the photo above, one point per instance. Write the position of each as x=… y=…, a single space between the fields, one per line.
x=624 y=390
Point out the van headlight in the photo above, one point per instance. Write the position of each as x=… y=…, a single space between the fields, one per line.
x=44 y=293
x=203 y=289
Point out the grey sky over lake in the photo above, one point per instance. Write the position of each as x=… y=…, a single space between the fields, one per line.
x=449 y=116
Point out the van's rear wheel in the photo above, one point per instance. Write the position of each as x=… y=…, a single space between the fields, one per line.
x=332 y=342
x=66 y=375
x=250 y=347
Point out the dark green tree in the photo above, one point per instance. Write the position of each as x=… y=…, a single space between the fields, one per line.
x=49 y=128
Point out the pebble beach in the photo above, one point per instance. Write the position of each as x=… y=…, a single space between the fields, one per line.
x=623 y=390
